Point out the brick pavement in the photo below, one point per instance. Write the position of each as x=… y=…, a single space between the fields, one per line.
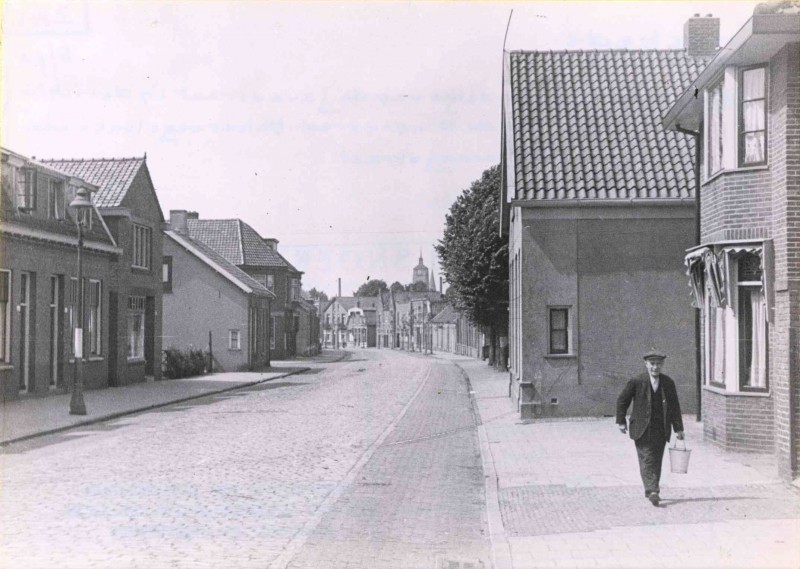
x=419 y=501
x=224 y=481
x=569 y=494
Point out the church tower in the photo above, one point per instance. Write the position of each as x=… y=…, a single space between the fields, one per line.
x=421 y=273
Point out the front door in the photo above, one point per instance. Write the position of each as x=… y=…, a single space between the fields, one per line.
x=55 y=330
x=25 y=332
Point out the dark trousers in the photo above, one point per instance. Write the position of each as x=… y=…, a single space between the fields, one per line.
x=650 y=450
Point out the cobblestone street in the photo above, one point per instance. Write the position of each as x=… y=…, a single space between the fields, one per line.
x=371 y=459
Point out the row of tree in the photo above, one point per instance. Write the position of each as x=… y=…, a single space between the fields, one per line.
x=373 y=287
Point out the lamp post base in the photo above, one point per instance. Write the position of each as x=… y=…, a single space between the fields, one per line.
x=76 y=404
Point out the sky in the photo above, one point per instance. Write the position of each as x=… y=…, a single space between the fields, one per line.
x=343 y=129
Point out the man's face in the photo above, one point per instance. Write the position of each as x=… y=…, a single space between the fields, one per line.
x=654 y=366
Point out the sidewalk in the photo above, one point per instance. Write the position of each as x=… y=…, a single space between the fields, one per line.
x=35 y=416
x=567 y=493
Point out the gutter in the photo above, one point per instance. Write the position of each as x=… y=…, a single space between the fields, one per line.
x=602 y=202
x=697 y=349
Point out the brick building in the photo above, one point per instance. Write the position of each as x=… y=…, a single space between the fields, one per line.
x=38 y=281
x=744 y=108
x=257 y=256
x=208 y=300
x=128 y=205
x=598 y=204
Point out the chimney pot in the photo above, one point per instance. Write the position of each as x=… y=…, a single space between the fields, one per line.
x=701 y=36
x=192 y=215
x=271 y=243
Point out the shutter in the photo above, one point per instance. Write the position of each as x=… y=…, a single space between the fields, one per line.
x=4 y=287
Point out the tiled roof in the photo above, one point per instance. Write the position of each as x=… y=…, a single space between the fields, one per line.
x=232 y=270
x=447 y=315
x=365 y=302
x=235 y=240
x=112 y=175
x=587 y=124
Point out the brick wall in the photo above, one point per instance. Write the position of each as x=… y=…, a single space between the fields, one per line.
x=738 y=423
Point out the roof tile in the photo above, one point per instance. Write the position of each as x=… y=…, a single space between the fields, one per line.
x=112 y=175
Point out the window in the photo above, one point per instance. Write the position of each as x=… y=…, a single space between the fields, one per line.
x=55 y=200
x=5 y=316
x=736 y=119
x=752 y=324
x=736 y=330
x=273 y=331
x=559 y=331
x=141 y=246
x=72 y=312
x=270 y=283
x=234 y=340
x=136 y=306
x=753 y=117
x=715 y=136
x=166 y=273
x=95 y=323
x=26 y=189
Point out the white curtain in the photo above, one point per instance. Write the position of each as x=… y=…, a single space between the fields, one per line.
x=718 y=345
x=758 y=368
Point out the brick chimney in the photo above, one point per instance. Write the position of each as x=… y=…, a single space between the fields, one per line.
x=192 y=215
x=272 y=243
x=177 y=220
x=701 y=36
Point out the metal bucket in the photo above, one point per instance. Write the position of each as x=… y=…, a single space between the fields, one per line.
x=679 y=458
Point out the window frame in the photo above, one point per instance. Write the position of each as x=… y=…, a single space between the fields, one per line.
x=235 y=339
x=5 y=326
x=740 y=132
x=26 y=188
x=719 y=85
x=166 y=265
x=95 y=318
x=142 y=246
x=55 y=199
x=551 y=310
x=134 y=311
x=273 y=331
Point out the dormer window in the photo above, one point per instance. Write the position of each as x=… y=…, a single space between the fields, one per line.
x=55 y=200
x=26 y=189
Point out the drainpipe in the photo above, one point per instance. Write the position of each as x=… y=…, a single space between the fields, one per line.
x=697 y=360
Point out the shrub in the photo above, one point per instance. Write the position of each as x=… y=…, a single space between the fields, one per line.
x=184 y=363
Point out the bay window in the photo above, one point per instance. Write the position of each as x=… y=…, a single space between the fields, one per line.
x=753 y=117
x=736 y=120
x=732 y=294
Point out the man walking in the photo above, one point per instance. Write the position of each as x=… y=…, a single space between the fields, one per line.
x=656 y=413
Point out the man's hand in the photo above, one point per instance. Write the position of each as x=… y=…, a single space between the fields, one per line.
x=623 y=429
x=679 y=435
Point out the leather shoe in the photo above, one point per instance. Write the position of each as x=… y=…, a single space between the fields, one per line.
x=653 y=497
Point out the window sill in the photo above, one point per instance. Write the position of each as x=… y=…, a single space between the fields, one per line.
x=4 y=367
x=234 y=349
x=742 y=170
x=136 y=361
x=560 y=356
x=90 y=359
x=726 y=393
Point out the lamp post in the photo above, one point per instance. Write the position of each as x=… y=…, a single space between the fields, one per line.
x=81 y=205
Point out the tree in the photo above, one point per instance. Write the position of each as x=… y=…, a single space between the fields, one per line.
x=318 y=295
x=474 y=258
x=417 y=287
x=371 y=288
x=397 y=287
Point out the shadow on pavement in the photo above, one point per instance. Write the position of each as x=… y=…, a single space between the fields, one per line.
x=675 y=501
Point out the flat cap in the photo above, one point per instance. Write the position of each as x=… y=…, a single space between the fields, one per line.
x=655 y=355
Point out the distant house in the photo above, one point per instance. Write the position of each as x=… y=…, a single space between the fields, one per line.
x=745 y=273
x=350 y=321
x=39 y=286
x=454 y=333
x=128 y=204
x=598 y=203
x=211 y=303
x=413 y=311
x=243 y=247
x=386 y=321
x=307 y=326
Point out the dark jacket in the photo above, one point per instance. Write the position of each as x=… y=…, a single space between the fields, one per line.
x=639 y=391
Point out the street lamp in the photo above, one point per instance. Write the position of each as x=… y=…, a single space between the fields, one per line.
x=82 y=205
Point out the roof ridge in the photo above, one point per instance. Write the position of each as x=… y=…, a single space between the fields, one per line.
x=603 y=50
x=93 y=159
